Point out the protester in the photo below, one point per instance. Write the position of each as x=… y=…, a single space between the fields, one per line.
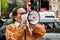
x=28 y=6
x=15 y=31
x=2 y=37
x=1 y=22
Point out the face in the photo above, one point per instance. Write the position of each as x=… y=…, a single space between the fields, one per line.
x=20 y=12
x=28 y=5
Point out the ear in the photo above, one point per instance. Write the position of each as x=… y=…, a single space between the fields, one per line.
x=14 y=17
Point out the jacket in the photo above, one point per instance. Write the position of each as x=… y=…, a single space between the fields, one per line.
x=16 y=33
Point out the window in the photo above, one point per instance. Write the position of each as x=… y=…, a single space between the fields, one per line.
x=53 y=27
x=44 y=4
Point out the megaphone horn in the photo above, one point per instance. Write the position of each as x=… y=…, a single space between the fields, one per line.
x=32 y=17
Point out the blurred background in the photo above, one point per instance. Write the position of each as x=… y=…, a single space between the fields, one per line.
x=48 y=9
x=6 y=6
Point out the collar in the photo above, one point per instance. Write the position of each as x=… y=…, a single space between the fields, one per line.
x=17 y=24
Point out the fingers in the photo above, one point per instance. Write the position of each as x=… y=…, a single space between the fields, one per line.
x=23 y=23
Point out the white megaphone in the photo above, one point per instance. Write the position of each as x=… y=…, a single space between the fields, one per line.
x=32 y=17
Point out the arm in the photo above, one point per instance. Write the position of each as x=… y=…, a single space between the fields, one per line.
x=38 y=30
x=11 y=35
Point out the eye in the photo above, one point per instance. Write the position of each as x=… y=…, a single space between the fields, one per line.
x=22 y=13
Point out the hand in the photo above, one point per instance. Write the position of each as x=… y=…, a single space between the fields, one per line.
x=23 y=23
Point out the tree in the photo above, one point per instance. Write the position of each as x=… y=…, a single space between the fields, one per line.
x=4 y=7
x=0 y=7
x=22 y=3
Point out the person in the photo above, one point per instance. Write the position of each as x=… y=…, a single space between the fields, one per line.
x=28 y=6
x=15 y=31
x=2 y=37
x=1 y=22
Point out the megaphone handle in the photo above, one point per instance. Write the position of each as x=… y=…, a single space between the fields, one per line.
x=29 y=28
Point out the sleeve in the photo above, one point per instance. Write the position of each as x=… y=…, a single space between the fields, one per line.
x=11 y=35
x=38 y=30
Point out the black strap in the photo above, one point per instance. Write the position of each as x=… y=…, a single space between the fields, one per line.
x=24 y=34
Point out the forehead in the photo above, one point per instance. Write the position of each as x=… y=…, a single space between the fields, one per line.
x=28 y=0
x=21 y=10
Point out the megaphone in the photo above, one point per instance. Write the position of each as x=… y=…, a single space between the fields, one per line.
x=32 y=17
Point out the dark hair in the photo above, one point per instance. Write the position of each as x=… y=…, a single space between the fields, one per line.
x=0 y=17
x=14 y=12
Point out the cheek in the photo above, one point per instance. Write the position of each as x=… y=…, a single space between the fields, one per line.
x=19 y=16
